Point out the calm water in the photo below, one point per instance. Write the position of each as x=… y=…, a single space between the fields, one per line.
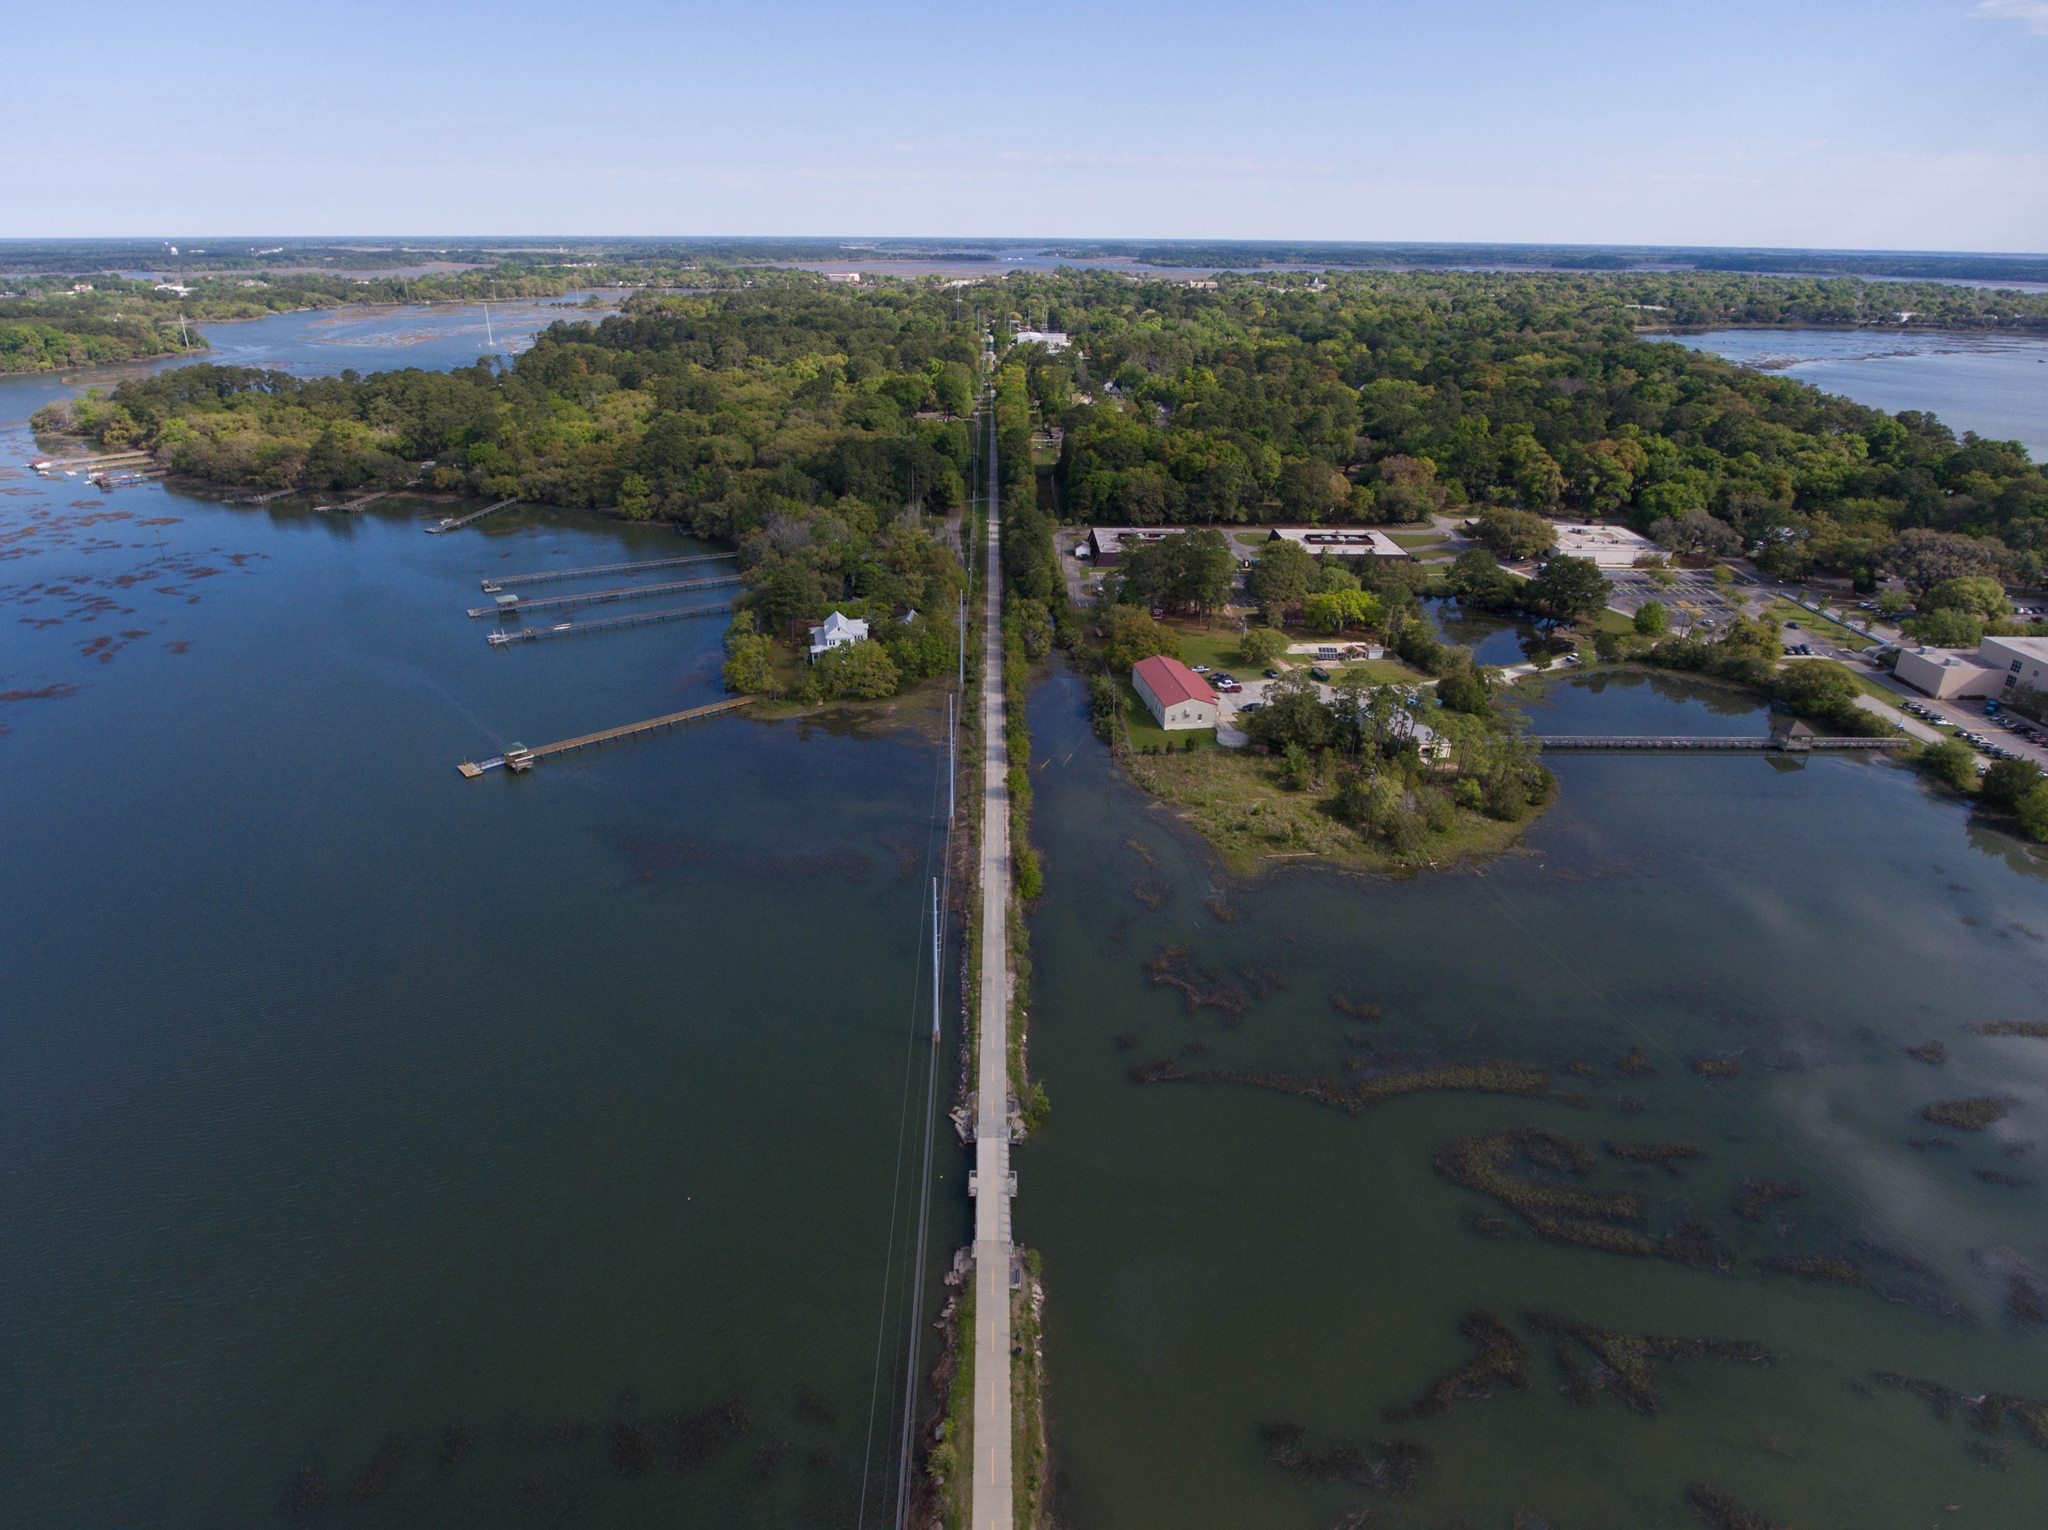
x=1221 y=1256
x=344 y=1101
x=1996 y=385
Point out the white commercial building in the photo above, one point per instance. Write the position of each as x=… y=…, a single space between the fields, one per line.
x=1609 y=546
x=2000 y=665
x=1344 y=541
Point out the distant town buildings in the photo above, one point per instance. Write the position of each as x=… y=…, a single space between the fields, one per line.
x=1178 y=697
x=1999 y=665
x=837 y=632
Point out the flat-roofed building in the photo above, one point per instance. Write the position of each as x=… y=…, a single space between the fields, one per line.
x=2022 y=662
x=1344 y=541
x=1609 y=546
x=1106 y=544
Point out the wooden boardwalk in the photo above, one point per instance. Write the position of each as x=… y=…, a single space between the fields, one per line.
x=355 y=504
x=596 y=597
x=456 y=523
x=543 y=576
x=1711 y=743
x=519 y=758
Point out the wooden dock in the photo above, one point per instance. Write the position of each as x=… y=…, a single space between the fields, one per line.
x=506 y=635
x=261 y=499
x=513 y=605
x=1711 y=743
x=355 y=504
x=518 y=759
x=456 y=523
x=543 y=576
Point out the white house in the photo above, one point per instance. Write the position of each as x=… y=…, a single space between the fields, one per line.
x=1178 y=697
x=837 y=632
x=1051 y=339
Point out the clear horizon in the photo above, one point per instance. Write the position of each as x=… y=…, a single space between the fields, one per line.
x=1907 y=125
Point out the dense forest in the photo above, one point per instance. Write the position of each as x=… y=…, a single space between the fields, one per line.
x=822 y=433
x=1391 y=398
x=1371 y=397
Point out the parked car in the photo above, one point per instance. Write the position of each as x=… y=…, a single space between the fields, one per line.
x=1319 y=673
x=1200 y=669
x=1272 y=674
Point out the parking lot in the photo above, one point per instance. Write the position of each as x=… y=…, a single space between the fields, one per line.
x=1693 y=598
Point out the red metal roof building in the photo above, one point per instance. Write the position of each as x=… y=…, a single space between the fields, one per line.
x=1178 y=697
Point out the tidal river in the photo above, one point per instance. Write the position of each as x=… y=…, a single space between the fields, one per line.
x=383 y=1148
x=1994 y=384
x=1691 y=1258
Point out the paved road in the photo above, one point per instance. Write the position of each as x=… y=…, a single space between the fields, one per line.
x=992 y=1493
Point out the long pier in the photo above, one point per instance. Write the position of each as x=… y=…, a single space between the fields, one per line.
x=355 y=504
x=609 y=624
x=1711 y=743
x=519 y=758
x=512 y=605
x=264 y=498
x=456 y=523
x=543 y=576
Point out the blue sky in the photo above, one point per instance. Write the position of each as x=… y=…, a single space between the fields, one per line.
x=1916 y=124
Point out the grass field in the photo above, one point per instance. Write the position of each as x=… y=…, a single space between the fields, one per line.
x=1834 y=632
x=1236 y=803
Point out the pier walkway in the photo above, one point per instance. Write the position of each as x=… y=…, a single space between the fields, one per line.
x=992 y=1501
x=519 y=758
x=610 y=624
x=456 y=523
x=543 y=576
x=512 y=605
x=355 y=504
x=1677 y=743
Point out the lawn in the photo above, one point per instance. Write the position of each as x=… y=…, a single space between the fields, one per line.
x=1784 y=612
x=1214 y=646
x=1381 y=672
x=1237 y=804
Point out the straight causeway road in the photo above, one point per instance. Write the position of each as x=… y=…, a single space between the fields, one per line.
x=992 y=1493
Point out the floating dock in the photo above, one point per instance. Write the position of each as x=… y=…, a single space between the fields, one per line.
x=609 y=624
x=518 y=758
x=543 y=576
x=512 y=605
x=456 y=523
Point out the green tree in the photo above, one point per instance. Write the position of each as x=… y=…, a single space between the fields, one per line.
x=1130 y=635
x=1475 y=578
x=1973 y=595
x=1651 y=619
x=1945 y=629
x=1514 y=535
x=749 y=666
x=862 y=671
x=1261 y=646
x=2008 y=782
x=1951 y=761
x=1285 y=572
x=1566 y=589
x=1293 y=714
